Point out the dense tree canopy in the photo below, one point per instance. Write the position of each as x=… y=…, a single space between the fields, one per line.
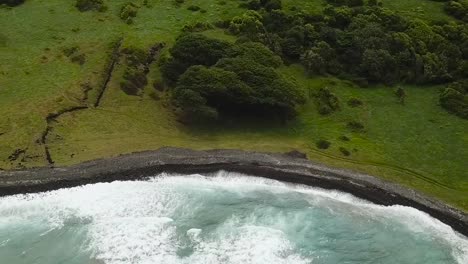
x=362 y=40
x=213 y=77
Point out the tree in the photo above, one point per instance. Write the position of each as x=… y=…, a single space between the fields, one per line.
x=400 y=94
x=259 y=53
x=248 y=24
x=193 y=49
x=239 y=85
x=378 y=65
x=455 y=99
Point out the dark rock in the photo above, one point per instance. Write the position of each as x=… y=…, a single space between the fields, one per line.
x=296 y=154
x=280 y=167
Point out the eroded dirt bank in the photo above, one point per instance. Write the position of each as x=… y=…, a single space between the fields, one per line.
x=285 y=167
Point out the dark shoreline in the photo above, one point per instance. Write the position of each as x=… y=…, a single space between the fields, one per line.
x=284 y=167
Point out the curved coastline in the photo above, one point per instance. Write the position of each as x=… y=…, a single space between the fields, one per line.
x=290 y=167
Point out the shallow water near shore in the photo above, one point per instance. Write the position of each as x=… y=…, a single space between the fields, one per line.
x=223 y=218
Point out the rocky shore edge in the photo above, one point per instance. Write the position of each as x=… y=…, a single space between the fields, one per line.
x=290 y=167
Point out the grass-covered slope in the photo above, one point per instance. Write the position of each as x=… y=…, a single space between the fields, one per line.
x=417 y=144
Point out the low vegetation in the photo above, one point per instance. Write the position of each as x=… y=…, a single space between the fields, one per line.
x=88 y=5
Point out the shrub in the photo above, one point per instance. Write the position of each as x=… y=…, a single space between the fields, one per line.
x=134 y=80
x=345 y=138
x=73 y=53
x=326 y=101
x=355 y=126
x=354 y=102
x=11 y=2
x=88 y=5
x=344 y=151
x=70 y=51
x=454 y=99
x=259 y=53
x=79 y=58
x=128 y=12
x=197 y=27
x=323 y=144
x=193 y=49
x=194 y=8
x=400 y=93
x=179 y=2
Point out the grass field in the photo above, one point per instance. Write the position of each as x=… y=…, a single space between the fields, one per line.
x=417 y=144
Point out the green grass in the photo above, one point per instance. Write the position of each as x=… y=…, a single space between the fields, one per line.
x=418 y=145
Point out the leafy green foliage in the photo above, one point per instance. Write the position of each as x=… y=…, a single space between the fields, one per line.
x=360 y=41
x=323 y=144
x=134 y=77
x=457 y=9
x=355 y=126
x=217 y=77
x=259 y=53
x=327 y=102
x=454 y=98
x=193 y=49
x=344 y=151
x=354 y=102
x=128 y=12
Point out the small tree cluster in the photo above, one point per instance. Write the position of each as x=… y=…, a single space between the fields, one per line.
x=214 y=77
x=75 y=55
x=362 y=41
x=327 y=102
x=134 y=77
x=128 y=12
x=457 y=9
x=454 y=98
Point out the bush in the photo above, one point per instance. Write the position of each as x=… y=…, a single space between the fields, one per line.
x=135 y=73
x=179 y=2
x=454 y=99
x=11 y=2
x=134 y=80
x=355 y=126
x=354 y=102
x=78 y=58
x=327 y=102
x=194 y=8
x=197 y=27
x=344 y=151
x=75 y=55
x=128 y=12
x=323 y=144
x=193 y=49
x=259 y=53
x=345 y=138
x=88 y=5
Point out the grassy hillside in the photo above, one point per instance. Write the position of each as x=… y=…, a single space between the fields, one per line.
x=417 y=144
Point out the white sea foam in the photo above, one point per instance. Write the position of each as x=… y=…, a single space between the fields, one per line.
x=132 y=222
